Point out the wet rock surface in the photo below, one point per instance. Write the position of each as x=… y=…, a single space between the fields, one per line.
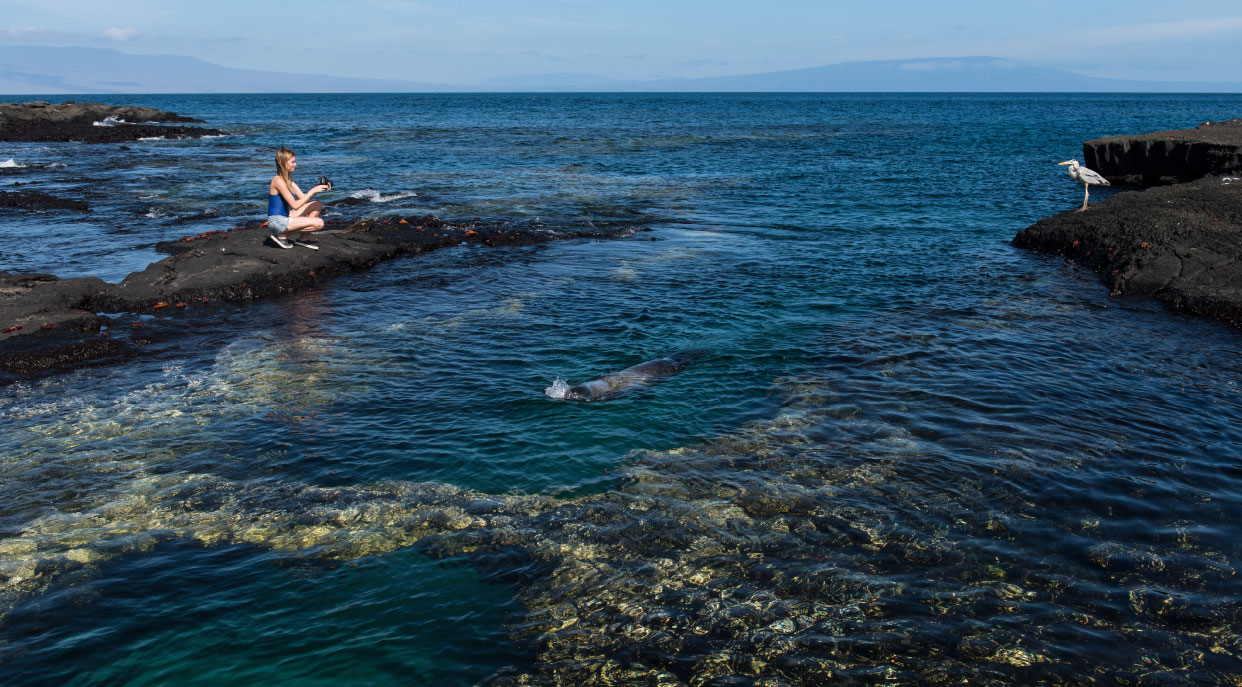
x=92 y=123
x=43 y=318
x=35 y=200
x=1165 y=157
x=1181 y=243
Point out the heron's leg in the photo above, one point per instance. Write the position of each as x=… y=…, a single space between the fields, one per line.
x=1086 y=193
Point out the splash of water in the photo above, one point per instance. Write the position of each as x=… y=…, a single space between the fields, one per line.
x=557 y=390
x=376 y=197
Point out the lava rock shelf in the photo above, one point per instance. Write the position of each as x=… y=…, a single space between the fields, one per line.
x=1179 y=243
x=92 y=123
x=47 y=322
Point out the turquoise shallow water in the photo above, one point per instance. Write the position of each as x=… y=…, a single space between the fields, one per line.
x=844 y=260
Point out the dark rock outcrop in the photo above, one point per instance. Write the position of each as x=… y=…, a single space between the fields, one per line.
x=34 y=200
x=91 y=122
x=1166 y=157
x=43 y=319
x=1180 y=244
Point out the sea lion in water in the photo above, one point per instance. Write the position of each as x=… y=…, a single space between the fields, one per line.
x=639 y=376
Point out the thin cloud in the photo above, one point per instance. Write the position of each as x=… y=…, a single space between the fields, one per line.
x=540 y=55
x=703 y=63
x=32 y=33
x=119 y=35
x=1189 y=29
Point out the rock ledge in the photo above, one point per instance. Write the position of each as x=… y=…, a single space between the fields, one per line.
x=92 y=123
x=1180 y=244
x=49 y=322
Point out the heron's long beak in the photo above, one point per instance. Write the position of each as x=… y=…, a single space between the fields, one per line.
x=1067 y=162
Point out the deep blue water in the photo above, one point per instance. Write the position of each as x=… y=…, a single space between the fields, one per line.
x=856 y=244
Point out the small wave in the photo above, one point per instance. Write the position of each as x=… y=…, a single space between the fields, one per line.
x=151 y=138
x=376 y=197
x=213 y=136
x=558 y=390
x=10 y=164
x=110 y=120
x=624 y=274
x=156 y=213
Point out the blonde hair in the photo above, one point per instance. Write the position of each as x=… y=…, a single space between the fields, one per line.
x=282 y=161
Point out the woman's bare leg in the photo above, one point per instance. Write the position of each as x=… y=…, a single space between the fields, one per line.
x=311 y=209
x=299 y=227
x=305 y=220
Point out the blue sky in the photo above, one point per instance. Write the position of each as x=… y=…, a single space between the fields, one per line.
x=469 y=41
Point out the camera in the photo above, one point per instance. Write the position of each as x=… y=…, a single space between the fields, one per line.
x=325 y=181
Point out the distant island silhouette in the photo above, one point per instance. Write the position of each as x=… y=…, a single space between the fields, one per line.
x=53 y=70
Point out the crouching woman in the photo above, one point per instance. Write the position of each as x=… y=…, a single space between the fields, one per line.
x=292 y=214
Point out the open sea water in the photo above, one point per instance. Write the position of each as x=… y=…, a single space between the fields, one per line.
x=912 y=454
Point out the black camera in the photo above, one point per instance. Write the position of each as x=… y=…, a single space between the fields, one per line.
x=325 y=181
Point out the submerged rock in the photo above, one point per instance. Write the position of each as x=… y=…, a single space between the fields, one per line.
x=783 y=553
x=34 y=200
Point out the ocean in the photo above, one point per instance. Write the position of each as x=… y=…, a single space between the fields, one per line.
x=911 y=453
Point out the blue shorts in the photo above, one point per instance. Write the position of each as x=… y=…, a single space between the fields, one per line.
x=279 y=224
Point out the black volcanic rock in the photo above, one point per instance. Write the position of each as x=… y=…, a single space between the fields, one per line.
x=34 y=200
x=1181 y=244
x=1168 y=156
x=91 y=122
x=43 y=318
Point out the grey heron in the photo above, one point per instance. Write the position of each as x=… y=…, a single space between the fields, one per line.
x=1088 y=177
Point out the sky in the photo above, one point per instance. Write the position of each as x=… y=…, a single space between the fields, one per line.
x=472 y=41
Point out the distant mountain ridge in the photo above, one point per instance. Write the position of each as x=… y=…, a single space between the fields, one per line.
x=46 y=70
x=937 y=74
x=38 y=70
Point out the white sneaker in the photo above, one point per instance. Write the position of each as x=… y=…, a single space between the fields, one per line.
x=279 y=241
x=304 y=244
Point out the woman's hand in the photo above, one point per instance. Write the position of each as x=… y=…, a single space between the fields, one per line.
x=320 y=188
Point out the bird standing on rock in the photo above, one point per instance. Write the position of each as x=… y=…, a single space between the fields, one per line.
x=1088 y=177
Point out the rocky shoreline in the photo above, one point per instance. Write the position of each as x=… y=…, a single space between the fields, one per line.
x=1179 y=243
x=40 y=121
x=48 y=322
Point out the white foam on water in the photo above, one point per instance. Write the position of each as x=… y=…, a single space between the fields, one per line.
x=10 y=164
x=151 y=138
x=624 y=274
x=376 y=197
x=110 y=120
x=558 y=390
x=156 y=213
